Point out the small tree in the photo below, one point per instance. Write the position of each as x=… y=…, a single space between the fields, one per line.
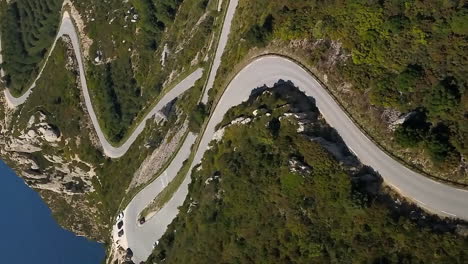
x=413 y=130
x=197 y=117
x=274 y=126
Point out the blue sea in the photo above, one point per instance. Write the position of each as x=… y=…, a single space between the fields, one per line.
x=29 y=234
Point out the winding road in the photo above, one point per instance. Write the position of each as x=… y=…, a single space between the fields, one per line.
x=268 y=70
x=68 y=29
x=223 y=39
x=435 y=197
x=140 y=238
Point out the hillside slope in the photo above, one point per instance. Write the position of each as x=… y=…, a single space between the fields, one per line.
x=282 y=188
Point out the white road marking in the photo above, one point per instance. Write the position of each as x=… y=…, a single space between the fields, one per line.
x=448 y=213
x=436 y=182
x=419 y=202
x=394 y=187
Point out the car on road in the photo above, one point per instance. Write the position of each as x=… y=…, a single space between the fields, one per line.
x=121 y=232
x=119 y=224
x=120 y=216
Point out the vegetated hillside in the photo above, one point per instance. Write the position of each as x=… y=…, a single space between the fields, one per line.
x=267 y=194
x=75 y=164
x=28 y=28
x=393 y=54
x=88 y=188
x=125 y=72
x=125 y=39
x=123 y=42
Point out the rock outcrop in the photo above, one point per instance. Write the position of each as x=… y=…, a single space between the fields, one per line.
x=45 y=172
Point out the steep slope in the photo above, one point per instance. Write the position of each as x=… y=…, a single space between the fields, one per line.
x=279 y=186
x=399 y=68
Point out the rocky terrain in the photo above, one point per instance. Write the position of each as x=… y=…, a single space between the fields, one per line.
x=33 y=150
x=63 y=180
x=153 y=163
x=55 y=173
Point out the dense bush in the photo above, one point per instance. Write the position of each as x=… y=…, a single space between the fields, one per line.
x=259 y=35
x=197 y=117
x=117 y=96
x=413 y=130
x=416 y=131
x=155 y=16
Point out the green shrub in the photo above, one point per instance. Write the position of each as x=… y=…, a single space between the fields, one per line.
x=197 y=117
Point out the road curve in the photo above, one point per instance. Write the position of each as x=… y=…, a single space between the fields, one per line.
x=268 y=70
x=436 y=197
x=67 y=28
x=140 y=238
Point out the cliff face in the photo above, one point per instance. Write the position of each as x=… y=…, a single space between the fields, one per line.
x=33 y=144
x=53 y=171
x=64 y=184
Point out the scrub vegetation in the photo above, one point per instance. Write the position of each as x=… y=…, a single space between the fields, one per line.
x=28 y=29
x=376 y=55
x=246 y=203
x=125 y=71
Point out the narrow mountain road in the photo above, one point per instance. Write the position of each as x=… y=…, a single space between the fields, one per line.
x=268 y=70
x=140 y=238
x=434 y=196
x=68 y=29
x=223 y=39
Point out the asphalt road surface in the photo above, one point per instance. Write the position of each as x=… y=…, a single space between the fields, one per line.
x=223 y=39
x=140 y=238
x=436 y=197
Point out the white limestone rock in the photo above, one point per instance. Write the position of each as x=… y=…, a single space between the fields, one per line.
x=48 y=133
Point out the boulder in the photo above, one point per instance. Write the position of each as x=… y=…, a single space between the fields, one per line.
x=49 y=133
